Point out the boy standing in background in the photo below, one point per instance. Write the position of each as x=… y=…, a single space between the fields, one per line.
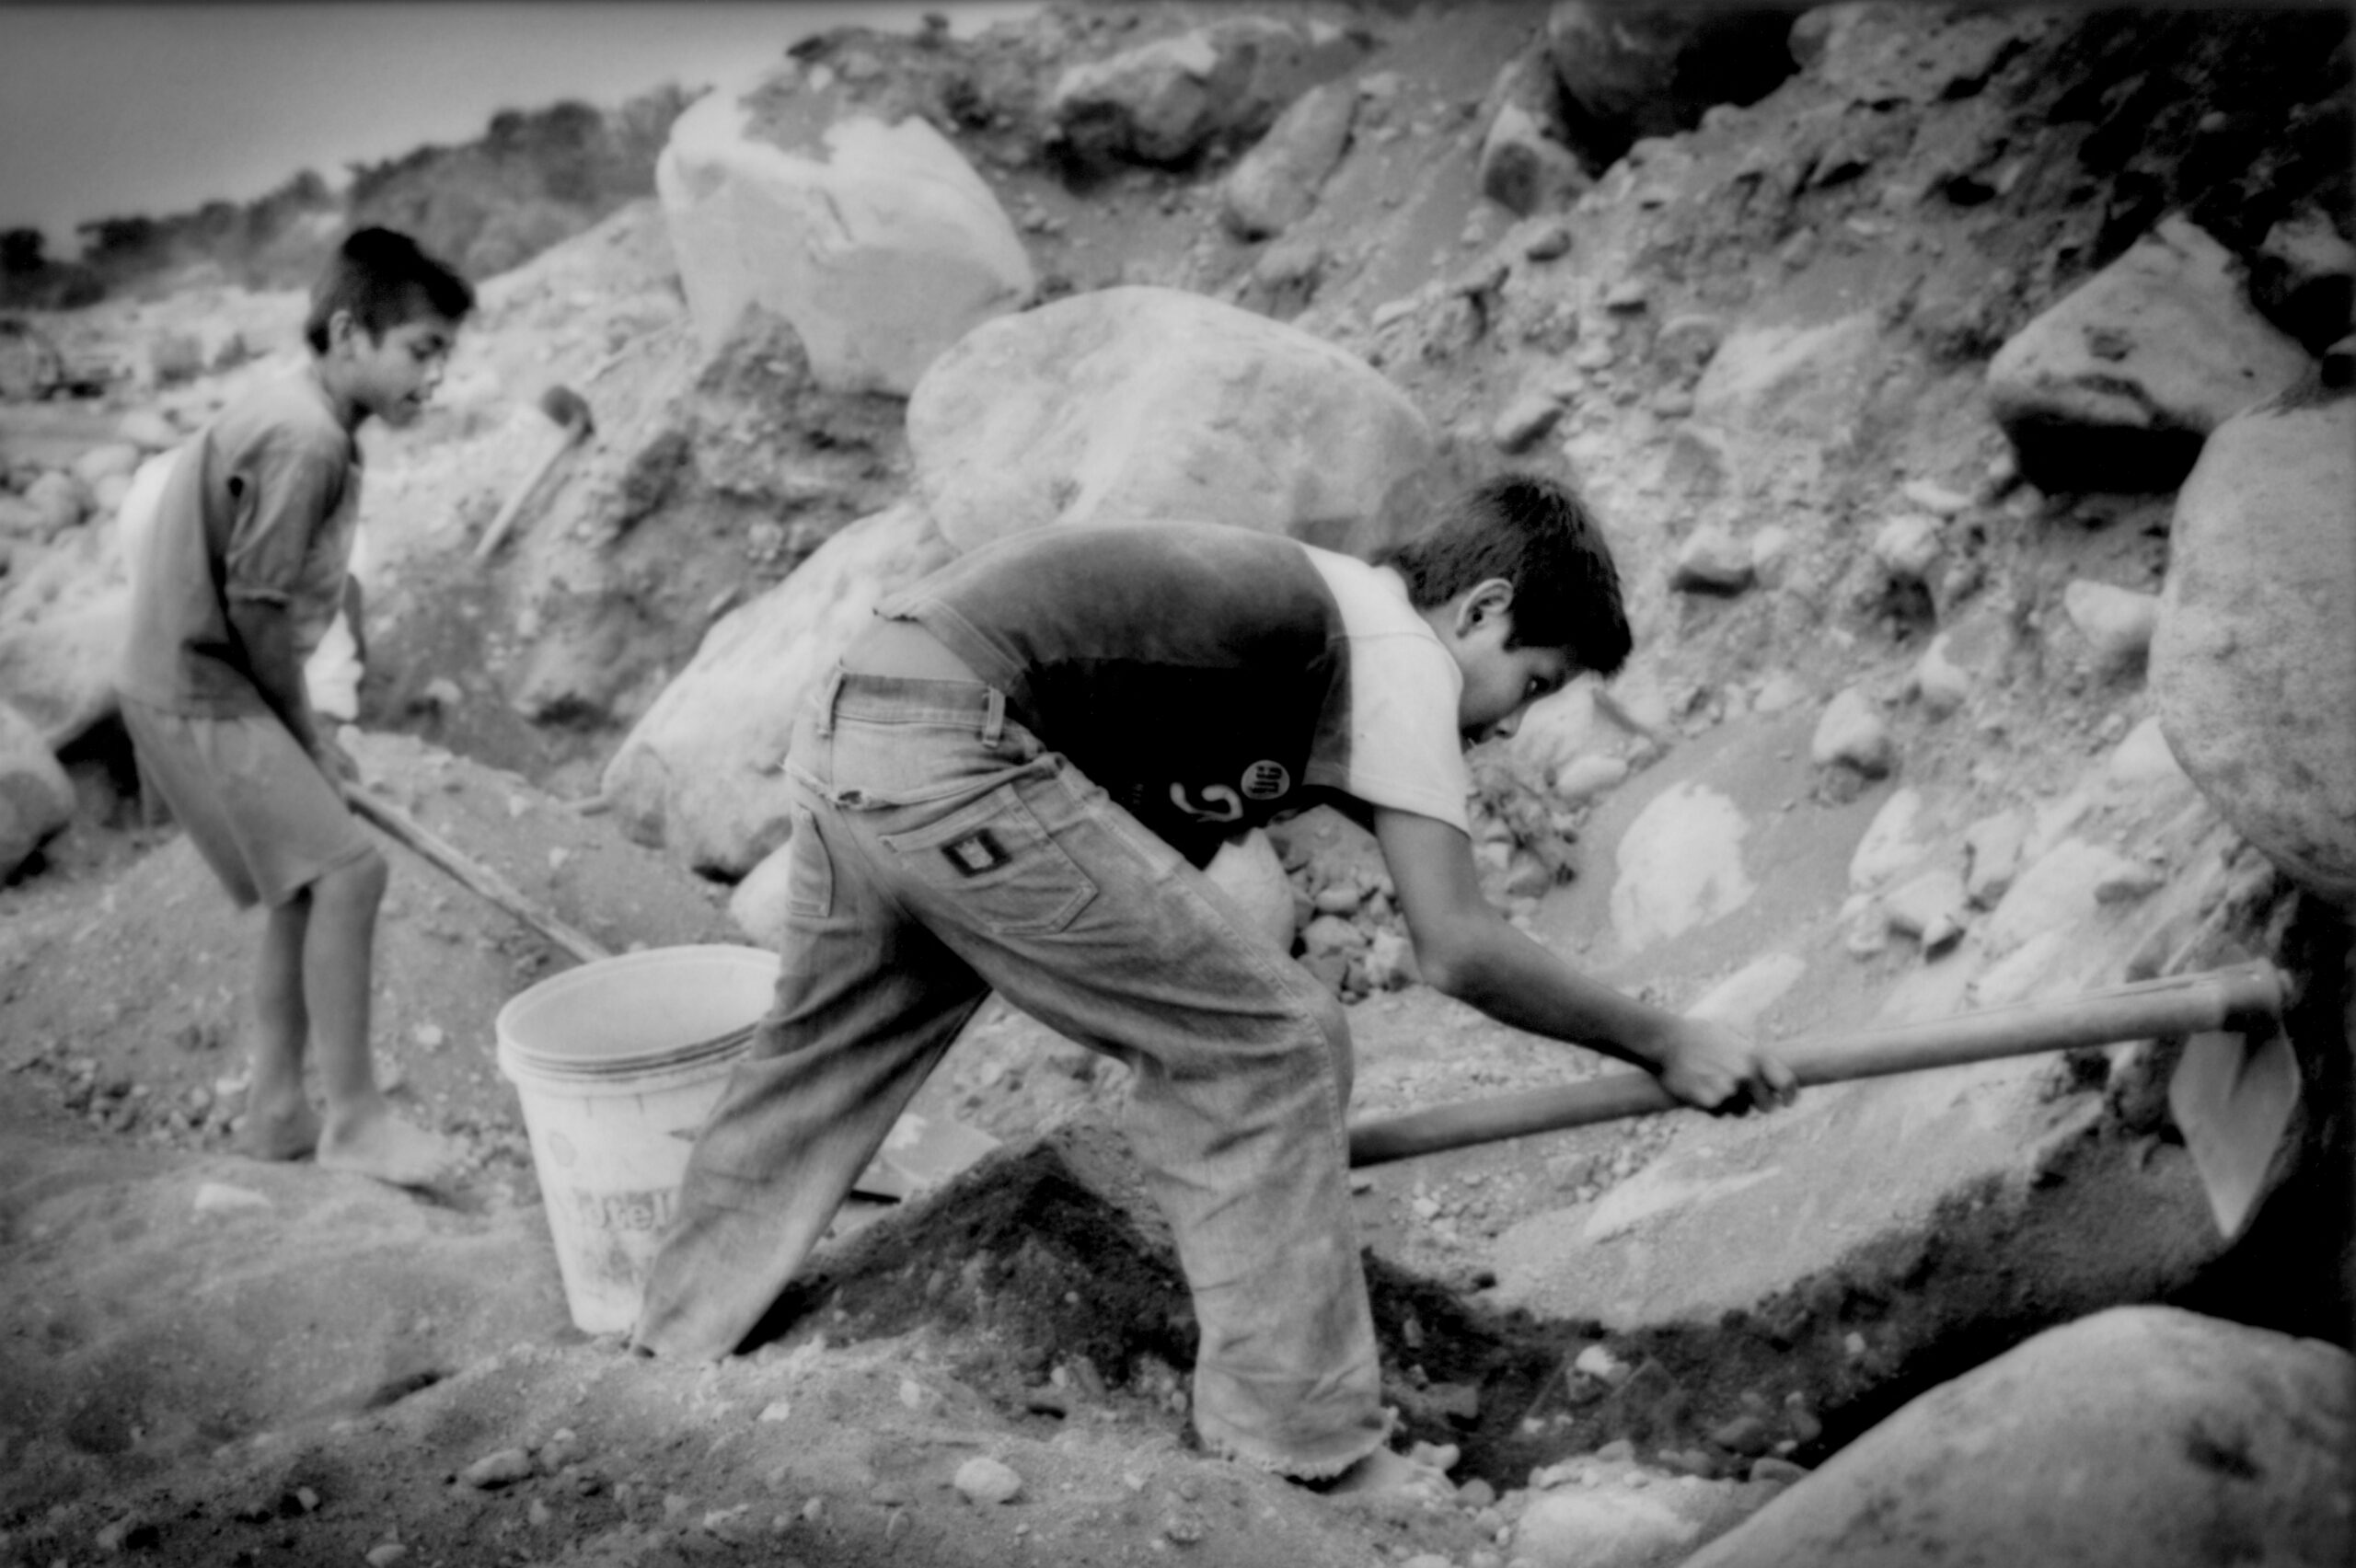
x=233 y=587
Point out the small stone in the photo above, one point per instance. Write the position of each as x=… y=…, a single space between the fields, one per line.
x=1341 y=898
x=984 y=1480
x=1781 y=1472
x=2128 y=883
x=1183 y=1526
x=1747 y=1435
x=2118 y=623
x=777 y=1409
x=385 y=1554
x=1852 y=732
x=1550 y=241
x=1598 y=1362
x=1908 y=547
x=502 y=1468
x=1935 y=498
x=1711 y=560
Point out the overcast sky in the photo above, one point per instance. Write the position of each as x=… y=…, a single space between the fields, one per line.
x=116 y=111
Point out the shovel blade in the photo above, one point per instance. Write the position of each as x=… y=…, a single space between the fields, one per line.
x=919 y=1152
x=2234 y=1096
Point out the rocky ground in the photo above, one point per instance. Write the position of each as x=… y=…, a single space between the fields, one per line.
x=209 y=1360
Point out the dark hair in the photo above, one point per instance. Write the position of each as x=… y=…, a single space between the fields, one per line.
x=1539 y=536
x=384 y=280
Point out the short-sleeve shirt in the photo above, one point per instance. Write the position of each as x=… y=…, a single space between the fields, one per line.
x=259 y=507
x=1209 y=678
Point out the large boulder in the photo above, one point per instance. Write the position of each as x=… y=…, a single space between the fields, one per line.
x=875 y=239
x=1166 y=102
x=1139 y=403
x=1274 y=185
x=2252 y=662
x=700 y=774
x=36 y=798
x=2140 y=1438
x=1631 y=72
x=2115 y=388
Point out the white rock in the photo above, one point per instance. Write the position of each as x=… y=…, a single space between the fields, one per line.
x=1711 y=560
x=1524 y=421
x=1332 y=934
x=2137 y=1437
x=1893 y=842
x=1597 y=1361
x=1908 y=547
x=1993 y=846
x=2056 y=893
x=2116 y=622
x=1601 y=1526
x=1274 y=185
x=1934 y=498
x=1391 y=962
x=1247 y=870
x=1938 y=682
x=878 y=242
x=1585 y=776
x=2115 y=386
x=1852 y=734
x=1929 y=907
x=982 y=1480
x=1780 y=692
x=2143 y=760
x=1135 y=403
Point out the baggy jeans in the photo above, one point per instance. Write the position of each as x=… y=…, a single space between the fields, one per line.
x=940 y=851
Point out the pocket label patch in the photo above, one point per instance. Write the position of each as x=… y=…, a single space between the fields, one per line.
x=978 y=852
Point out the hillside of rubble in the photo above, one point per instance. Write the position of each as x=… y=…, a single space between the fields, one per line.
x=1901 y=349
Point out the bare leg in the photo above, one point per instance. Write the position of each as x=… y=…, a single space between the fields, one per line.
x=279 y=1123
x=362 y=1133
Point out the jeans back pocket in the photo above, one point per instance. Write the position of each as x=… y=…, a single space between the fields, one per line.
x=995 y=867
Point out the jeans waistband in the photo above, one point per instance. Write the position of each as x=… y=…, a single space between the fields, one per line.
x=905 y=699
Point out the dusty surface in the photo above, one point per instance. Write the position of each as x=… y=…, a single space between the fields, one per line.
x=212 y=1361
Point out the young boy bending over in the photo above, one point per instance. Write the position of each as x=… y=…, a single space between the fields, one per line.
x=1011 y=783
x=232 y=586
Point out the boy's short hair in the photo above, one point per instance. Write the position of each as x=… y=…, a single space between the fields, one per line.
x=383 y=279
x=1539 y=536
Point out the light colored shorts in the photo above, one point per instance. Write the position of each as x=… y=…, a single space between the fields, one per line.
x=253 y=802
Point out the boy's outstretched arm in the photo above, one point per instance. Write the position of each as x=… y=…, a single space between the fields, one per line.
x=1467 y=950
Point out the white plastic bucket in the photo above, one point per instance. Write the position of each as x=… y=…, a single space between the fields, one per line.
x=617 y=1063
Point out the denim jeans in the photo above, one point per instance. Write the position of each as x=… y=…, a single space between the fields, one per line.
x=940 y=852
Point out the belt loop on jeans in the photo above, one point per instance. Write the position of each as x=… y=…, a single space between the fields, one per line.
x=994 y=723
x=826 y=694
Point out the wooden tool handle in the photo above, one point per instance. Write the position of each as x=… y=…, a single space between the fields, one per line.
x=474 y=874
x=2238 y=997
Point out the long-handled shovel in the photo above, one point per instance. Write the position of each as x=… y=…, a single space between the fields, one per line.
x=2234 y=1092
